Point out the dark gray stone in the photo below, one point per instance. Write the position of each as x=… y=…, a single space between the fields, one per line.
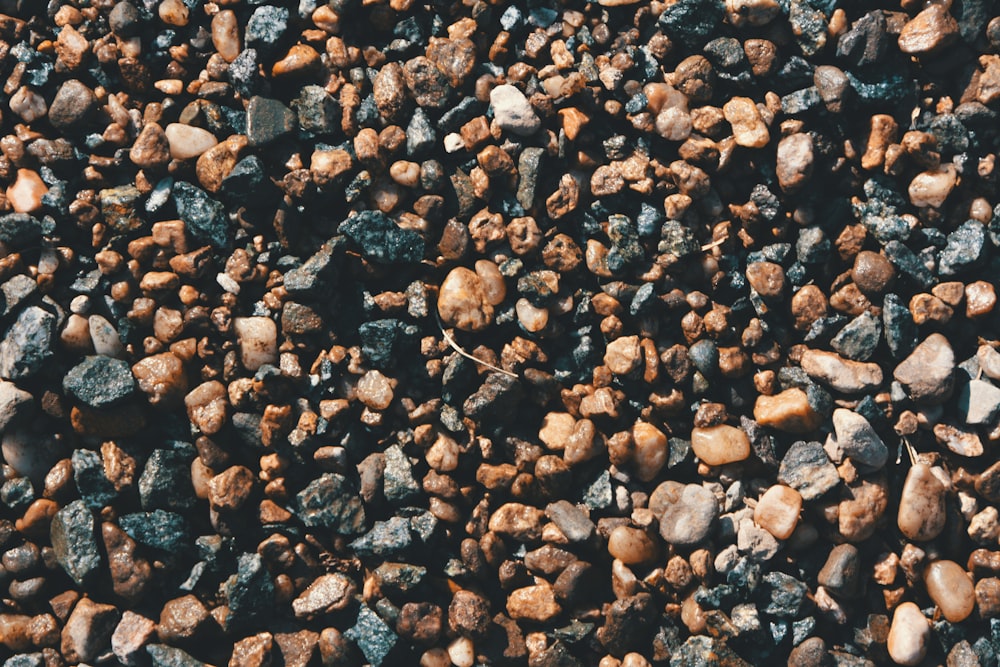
x=159 y=529
x=95 y=488
x=784 y=594
x=266 y=28
x=380 y=239
x=124 y=19
x=204 y=217
x=71 y=108
x=375 y=639
x=27 y=344
x=162 y=655
x=900 y=329
x=318 y=112
x=420 y=134
x=75 y=543
x=100 y=381
x=268 y=120
x=572 y=521
x=807 y=469
x=165 y=482
x=386 y=538
x=249 y=594
x=330 y=501
x=964 y=249
x=18 y=230
x=859 y=338
x=399 y=486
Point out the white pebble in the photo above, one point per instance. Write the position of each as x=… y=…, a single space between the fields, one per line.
x=257 y=338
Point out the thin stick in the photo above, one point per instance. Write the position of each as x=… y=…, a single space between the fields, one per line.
x=455 y=346
x=714 y=244
x=909 y=450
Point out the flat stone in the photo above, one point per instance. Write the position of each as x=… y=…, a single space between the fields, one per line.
x=100 y=382
x=841 y=573
x=777 y=511
x=71 y=107
x=573 y=522
x=74 y=542
x=131 y=635
x=268 y=120
x=843 y=375
x=719 y=445
x=512 y=111
x=686 y=512
x=855 y=438
x=788 y=411
x=330 y=592
x=927 y=374
x=533 y=603
x=807 y=469
x=928 y=32
x=961 y=441
x=979 y=402
x=88 y=630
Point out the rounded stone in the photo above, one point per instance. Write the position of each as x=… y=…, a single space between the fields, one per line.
x=909 y=635
x=951 y=588
x=719 y=445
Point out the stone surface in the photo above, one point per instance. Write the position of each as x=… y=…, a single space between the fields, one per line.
x=843 y=375
x=75 y=544
x=807 y=469
x=855 y=439
x=533 y=603
x=788 y=411
x=951 y=588
x=927 y=374
x=328 y=593
x=686 y=512
x=462 y=301
x=719 y=445
x=88 y=629
x=922 y=512
x=777 y=511
x=512 y=111
x=100 y=382
x=909 y=635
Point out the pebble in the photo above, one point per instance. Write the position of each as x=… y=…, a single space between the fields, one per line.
x=788 y=411
x=795 y=161
x=462 y=301
x=842 y=571
x=375 y=390
x=686 y=512
x=807 y=469
x=767 y=279
x=961 y=441
x=927 y=374
x=133 y=632
x=623 y=355
x=872 y=273
x=909 y=635
x=652 y=450
x=512 y=111
x=719 y=445
x=862 y=506
x=951 y=588
x=25 y=194
x=922 y=513
x=855 y=439
x=188 y=141
x=931 y=188
x=72 y=106
x=533 y=603
x=257 y=338
x=632 y=546
x=151 y=149
x=518 y=521
x=777 y=511
x=326 y=594
x=88 y=630
x=226 y=35
x=843 y=375
x=749 y=129
x=928 y=32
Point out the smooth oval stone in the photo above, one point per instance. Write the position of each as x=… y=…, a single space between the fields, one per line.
x=188 y=141
x=777 y=511
x=951 y=588
x=788 y=411
x=719 y=445
x=631 y=545
x=651 y=450
x=921 y=504
x=908 y=635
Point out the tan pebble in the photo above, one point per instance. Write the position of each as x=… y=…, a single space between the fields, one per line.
x=777 y=511
x=964 y=442
x=651 y=450
x=950 y=586
x=519 y=521
x=226 y=35
x=257 y=338
x=767 y=279
x=216 y=163
x=28 y=104
x=462 y=652
x=375 y=390
x=929 y=31
x=909 y=635
x=406 y=173
x=623 y=355
x=931 y=188
x=327 y=165
x=531 y=317
x=300 y=59
x=557 y=427
x=719 y=445
x=174 y=12
x=980 y=298
x=494 y=287
x=788 y=411
x=921 y=504
x=208 y=406
x=632 y=546
x=862 y=507
x=435 y=657
x=25 y=194
x=749 y=129
x=462 y=301
x=187 y=141
x=533 y=603
x=843 y=375
x=151 y=148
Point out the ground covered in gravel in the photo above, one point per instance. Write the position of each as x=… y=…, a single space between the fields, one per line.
x=613 y=334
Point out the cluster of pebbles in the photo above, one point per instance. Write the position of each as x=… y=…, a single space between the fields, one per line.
x=549 y=334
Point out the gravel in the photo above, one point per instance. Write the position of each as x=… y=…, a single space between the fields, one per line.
x=617 y=334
